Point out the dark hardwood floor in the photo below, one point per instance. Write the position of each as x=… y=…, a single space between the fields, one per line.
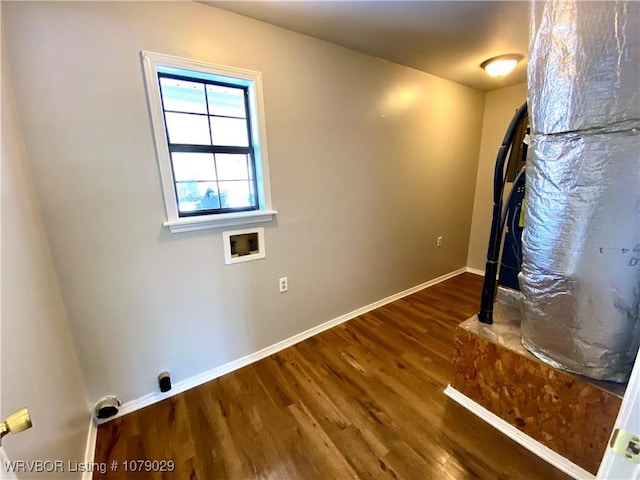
x=362 y=400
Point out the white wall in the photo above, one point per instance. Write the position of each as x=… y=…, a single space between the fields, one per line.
x=369 y=162
x=39 y=366
x=500 y=106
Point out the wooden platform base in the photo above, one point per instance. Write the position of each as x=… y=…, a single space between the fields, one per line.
x=567 y=413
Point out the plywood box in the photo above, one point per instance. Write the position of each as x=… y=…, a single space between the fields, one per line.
x=571 y=415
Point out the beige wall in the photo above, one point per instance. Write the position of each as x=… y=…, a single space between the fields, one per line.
x=39 y=366
x=369 y=162
x=500 y=106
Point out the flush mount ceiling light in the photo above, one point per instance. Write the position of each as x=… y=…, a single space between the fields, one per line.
x=502 y=65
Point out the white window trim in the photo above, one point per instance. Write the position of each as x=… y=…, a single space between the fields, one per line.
x=151 y=61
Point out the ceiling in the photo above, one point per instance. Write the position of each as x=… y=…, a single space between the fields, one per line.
x=449 y=39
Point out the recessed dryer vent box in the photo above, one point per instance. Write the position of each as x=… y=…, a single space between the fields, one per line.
x=243 y=245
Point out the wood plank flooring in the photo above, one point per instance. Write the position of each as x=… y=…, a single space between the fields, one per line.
x=362 y=400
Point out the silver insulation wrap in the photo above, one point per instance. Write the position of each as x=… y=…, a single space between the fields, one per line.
x=581 y=244
x=583 y=64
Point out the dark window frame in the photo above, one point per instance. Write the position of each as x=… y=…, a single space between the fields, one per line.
x=249 y=151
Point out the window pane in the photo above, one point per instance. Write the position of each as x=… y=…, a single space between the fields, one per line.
x=209 y=197
x=183 y=96
x=236 y=194
x=193 y=166
x=194 y=196
x=226 y=101
x=187 y=128
x=232 y=167
x=229 y=132
x=188 y=196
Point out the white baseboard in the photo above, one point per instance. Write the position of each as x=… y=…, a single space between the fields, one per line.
x=475 y=271
x=542 y=451
x=90 y=449
x=212 y=374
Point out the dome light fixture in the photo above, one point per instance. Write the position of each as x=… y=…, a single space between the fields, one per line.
x=501 y=65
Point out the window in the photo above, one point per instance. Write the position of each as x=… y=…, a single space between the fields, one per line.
x=210 y=142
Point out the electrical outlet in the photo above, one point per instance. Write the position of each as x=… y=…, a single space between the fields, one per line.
x=439 y=243
x=284 y=284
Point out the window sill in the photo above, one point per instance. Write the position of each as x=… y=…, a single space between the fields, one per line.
x=187 y=224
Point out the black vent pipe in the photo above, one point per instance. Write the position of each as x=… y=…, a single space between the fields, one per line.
x=495 y=236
